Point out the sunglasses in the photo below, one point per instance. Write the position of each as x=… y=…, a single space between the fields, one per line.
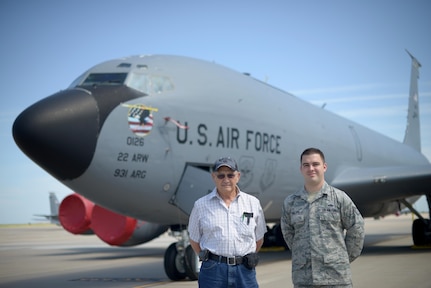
x=221 y=176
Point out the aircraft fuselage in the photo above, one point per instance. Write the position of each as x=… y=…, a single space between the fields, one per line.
x=146 y=127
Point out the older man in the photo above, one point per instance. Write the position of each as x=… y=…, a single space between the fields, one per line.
x=226 y=229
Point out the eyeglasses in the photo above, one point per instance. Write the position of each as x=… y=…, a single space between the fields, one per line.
x=221 y=176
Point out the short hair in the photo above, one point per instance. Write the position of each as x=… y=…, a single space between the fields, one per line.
x=310 y=151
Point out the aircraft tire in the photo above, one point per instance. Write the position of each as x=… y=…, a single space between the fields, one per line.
x=274 y=237
x=192 y=262
x=279 y=237
x=420 y=232
x=174 y=263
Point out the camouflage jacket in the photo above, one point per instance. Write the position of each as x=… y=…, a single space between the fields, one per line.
x=324 y=236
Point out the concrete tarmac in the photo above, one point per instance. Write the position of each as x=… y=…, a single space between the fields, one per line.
x=48 y=256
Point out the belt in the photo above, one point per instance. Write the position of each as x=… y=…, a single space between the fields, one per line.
x=234 y=260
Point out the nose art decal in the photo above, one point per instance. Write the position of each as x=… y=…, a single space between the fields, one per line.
x=140 y=119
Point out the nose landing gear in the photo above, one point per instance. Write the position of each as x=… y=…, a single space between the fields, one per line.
x=180 y=260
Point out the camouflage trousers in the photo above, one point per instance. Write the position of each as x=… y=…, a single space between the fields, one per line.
x=324 y=286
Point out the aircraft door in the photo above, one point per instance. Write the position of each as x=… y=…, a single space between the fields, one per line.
x=195 y=183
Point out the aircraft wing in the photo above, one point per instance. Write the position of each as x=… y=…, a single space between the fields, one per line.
x=52 y=218
x=379 y=184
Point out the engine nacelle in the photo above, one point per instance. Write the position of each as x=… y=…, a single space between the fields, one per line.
x=75 y=213
x=119 y=230
x=79 y=215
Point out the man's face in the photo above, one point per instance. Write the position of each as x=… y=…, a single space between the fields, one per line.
x=313 y=169
x=226 y=179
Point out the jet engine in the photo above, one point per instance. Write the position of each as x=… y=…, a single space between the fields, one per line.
x=74 y=214
x=119 y=230
x=79 y=215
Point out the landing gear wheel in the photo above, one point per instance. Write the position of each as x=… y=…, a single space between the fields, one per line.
x=421 y=232
x=279 y=237
x=192 y=263
x=274 y=237
x=174 y=263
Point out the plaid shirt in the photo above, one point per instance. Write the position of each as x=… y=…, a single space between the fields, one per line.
x=227 y=231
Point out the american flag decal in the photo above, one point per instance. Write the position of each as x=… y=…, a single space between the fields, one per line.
x=140 y=119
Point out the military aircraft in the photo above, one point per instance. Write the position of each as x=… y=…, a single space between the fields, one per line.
x=54 y=205
x=136 y=138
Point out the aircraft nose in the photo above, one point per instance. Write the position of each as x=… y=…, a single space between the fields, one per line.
x=59 y=133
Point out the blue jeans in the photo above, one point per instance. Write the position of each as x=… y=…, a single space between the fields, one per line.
x=214 y=274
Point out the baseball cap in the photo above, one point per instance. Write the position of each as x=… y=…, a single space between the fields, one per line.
x=226 y=161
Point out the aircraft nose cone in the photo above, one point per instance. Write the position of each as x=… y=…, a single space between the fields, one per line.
x=59 y=133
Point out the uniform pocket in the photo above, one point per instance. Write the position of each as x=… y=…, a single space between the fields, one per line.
x=298 y=219
x=329 y=214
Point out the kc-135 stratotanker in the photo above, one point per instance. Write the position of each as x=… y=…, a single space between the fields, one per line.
x=136 y=138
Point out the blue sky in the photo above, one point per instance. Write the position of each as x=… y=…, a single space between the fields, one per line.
x=347 y=54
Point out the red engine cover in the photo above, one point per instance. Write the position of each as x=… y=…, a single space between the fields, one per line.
x=75 y=214
x=81 y=216
x=112 y=228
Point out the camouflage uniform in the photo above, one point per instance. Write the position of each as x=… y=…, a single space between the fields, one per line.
x=324 y=236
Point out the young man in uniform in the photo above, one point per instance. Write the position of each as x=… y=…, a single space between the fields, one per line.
x=322 y=227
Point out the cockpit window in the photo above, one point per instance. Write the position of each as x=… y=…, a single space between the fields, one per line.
x=149 y=84
x=78 y=80
x=143 y=82
x=105 y=79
